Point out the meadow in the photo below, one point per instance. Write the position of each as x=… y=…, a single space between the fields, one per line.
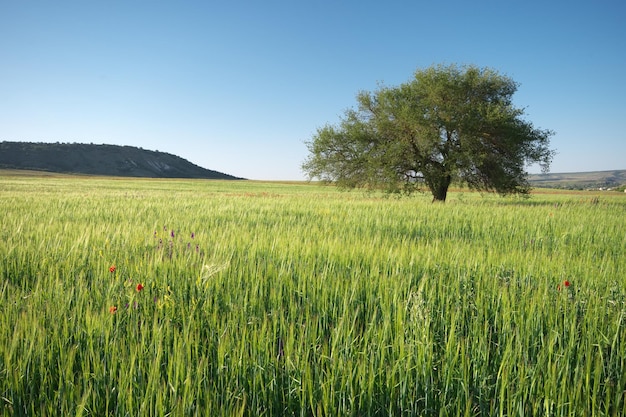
x=123 y=297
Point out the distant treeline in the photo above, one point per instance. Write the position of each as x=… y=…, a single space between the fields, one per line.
x=615 y=179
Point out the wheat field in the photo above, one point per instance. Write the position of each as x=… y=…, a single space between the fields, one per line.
x=135 y=297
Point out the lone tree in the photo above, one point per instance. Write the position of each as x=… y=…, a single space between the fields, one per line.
x=449 y=123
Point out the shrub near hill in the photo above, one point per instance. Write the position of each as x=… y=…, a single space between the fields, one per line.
x=233 y=298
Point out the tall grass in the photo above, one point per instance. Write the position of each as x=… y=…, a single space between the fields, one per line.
x=302 y=300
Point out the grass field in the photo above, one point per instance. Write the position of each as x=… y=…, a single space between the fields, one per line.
x=179 y=297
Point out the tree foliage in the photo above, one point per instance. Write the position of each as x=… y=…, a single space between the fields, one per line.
x=448 y=123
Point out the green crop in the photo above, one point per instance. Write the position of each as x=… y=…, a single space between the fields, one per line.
x=123 y=297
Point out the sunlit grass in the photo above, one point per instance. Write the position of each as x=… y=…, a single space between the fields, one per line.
x=296 y=299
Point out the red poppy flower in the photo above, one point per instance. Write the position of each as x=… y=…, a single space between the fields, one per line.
x=139 y=287
x=566 y=283
x=112 y=309
x=112 y=268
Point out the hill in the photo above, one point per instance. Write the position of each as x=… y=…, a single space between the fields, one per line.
x=581 y=180
x=109 y=160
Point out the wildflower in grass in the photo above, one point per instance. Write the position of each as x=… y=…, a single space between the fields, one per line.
x=112 y=269
x=172 y=234
x=565 y=283
x=112 y=309
x=193 y=235
x=140 y=287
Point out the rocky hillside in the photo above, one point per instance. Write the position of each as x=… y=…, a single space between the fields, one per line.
x=110 y=160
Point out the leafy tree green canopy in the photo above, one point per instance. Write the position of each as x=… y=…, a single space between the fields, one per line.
x=448 y=123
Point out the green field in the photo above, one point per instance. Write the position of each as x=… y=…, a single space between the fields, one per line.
x=144 y=297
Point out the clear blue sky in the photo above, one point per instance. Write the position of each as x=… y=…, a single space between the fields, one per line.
x=239 y=86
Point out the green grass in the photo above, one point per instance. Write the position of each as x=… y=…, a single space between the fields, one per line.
x=296 y=299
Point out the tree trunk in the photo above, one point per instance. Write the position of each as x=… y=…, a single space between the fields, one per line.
x=439 y=188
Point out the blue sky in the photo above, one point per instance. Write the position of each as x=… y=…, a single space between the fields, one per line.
x=239 y=86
